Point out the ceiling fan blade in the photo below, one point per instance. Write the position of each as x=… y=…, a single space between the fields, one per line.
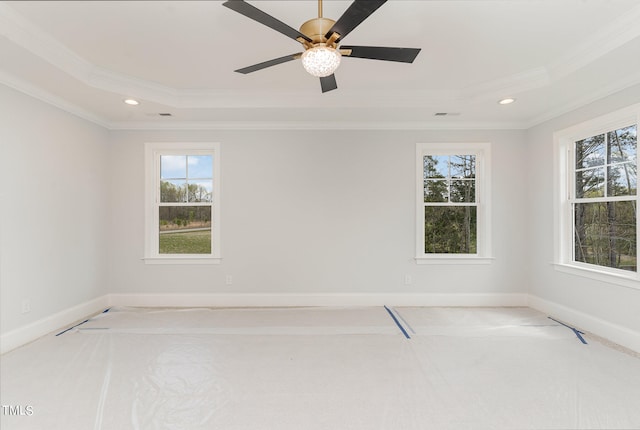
x=353 y=16
x=269 y=63
x=403 y=55
x=328 y=83
x=256 y=14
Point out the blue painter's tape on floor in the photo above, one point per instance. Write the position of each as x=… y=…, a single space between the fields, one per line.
x=79 y=324
x=403 y=321
x=398 y=323
x=578 y=333
x=64 y=331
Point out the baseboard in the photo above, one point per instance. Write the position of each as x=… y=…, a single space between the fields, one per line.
x=41 y=327
x=616 y=333
x=311 y=299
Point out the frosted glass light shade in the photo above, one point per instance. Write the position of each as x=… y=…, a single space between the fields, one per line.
x=321 y=61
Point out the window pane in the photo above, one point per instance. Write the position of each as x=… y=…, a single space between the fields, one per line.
x=185 y=229
x=450 y=230
x=173 y=191
x=605 y=234
x=623 y=143
x=200 y=191
x=173 y=167
x=463 y=166
x=463 y=190
x=200 y=166
x=436 y=166
x=621 y=180
x=590 y=183
x=436 y=191
x=590 y=152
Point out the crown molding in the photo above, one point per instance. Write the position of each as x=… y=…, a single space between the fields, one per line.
x=22 y=32
x=315 y=125
x=46 y=97
x=605 y=40
x=21 y=85
x=599 y=94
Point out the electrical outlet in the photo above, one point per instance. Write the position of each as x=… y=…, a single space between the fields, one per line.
x=26 y=306
x=228 y=280
x=408 y=280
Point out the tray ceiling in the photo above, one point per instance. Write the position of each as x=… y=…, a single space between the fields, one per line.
x=178 y=57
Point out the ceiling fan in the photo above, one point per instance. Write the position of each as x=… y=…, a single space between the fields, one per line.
x=320 y=38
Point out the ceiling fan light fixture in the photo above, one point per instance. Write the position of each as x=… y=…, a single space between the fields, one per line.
x=321 y=60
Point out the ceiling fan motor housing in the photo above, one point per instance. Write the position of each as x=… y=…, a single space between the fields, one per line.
x=316 y=28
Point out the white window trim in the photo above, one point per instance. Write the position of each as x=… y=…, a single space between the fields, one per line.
x=482 y=151
x=152 y=172
x=564 y=180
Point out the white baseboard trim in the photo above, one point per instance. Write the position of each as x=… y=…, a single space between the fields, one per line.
x=41 y=327
x=329 y=299
x=616 y=333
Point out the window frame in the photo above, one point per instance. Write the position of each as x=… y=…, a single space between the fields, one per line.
x=564 y=197
x=482 y=151
x=153 y=152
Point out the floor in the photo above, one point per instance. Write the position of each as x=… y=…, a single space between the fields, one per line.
x=320 y=368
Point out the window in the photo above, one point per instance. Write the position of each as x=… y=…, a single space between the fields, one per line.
x=597 y=195
x=453 y=203
x=182 y=212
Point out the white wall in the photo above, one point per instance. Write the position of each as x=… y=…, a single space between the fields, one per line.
x=587 y=300
x=304 y=212
x=53 y=219
x=311 y=212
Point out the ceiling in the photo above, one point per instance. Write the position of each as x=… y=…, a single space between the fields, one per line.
x=178 y=58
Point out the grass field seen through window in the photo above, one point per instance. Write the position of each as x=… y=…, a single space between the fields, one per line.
x=186 y=242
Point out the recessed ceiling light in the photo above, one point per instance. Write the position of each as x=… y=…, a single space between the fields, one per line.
x=507 y=101
x=132 y=102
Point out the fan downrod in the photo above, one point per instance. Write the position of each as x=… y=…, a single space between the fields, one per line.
x=316 y=30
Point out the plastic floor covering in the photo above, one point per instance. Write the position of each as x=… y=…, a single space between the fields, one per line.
x=319 y=368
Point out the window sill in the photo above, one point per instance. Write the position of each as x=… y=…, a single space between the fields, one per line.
x=625 y=280
x=182 y=260
x=450 y=259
